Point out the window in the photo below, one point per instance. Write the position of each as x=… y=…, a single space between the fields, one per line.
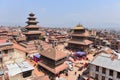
x=118 y=74
x=6 y=51
x=111 y=72
x=96 y=76
x=103 y=77
x=97 y=68
x=104 y=70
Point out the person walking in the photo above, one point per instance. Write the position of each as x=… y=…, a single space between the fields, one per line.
x=75 y=72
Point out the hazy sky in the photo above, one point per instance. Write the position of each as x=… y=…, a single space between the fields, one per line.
x=61 y=13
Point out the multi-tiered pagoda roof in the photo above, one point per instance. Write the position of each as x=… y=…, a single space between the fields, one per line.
x=79 y=37
x=53 y=60
x=32 y=31
x=32 y=23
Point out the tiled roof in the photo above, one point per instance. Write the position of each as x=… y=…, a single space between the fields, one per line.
x=54 y=54
x=45 y=46
x=2 y=40
x=19 y=47
x=56 y=69
x=84 y=42
x=33 y=32
x=32 y=26
x=6 y=44
x=32 y=21
x=86 y=34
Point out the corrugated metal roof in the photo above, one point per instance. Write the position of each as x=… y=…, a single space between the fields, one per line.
x=104 y=60
x=16 y=68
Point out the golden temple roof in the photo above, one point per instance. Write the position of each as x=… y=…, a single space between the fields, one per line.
x=79 y=26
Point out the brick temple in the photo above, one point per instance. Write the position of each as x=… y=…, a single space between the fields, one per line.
x=79 y=38
x=32 y=29
x=53 y=62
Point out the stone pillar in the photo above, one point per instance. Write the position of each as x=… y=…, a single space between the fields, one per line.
x=107 y=72
x=100 y=70
x=114 y=75
x=100 y=73
x=106 y=78
x=99 y=77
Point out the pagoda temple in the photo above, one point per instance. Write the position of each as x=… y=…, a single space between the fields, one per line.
x=32 y=29
x=53 y=62
x=79 y=38
x=32 y=35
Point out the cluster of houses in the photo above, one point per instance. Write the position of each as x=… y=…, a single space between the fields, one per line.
x=40 y=44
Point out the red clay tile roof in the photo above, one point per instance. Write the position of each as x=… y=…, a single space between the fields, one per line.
x=19 y=47
x=4 y=45
x=84 y=42
x=55 y=70
x=45 y=46
x=32 y=26
x=3 y=40
x=86 y=34
x=33 y=32
x=54 y=54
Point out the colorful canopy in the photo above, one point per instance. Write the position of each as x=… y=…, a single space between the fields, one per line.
x=81 y=53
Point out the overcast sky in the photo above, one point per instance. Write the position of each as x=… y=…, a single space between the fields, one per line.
x=62 y=13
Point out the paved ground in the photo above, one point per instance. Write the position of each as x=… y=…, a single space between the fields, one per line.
x=71 y=74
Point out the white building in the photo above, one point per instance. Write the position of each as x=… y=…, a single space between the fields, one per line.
x=19 y=70
x=12 y=62
x=103 y=67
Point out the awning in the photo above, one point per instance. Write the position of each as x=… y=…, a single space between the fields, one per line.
x=37 y=55
x=81 y=53
x=32 y=55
